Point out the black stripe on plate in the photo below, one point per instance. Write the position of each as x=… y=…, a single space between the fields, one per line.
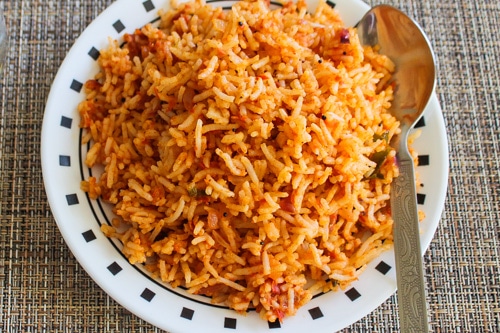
x=187 y=313
x=76 y=86
x=420 y=198
x=118 y=25
x=66 y=122
x=423 y=160
x=383 y=267
x=148 y=295
x=72 y=199
x=64 y=160
x=276 y=324
x=89 y=236
x=331 y=3
x=155 y=20
x=315 y=313
x=114 y=268
x=353 y=294
x=230 y=323
x=94 y=53
x=148 y=5
x=275 y=3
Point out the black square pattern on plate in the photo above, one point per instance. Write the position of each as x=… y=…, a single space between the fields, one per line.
x=276 y=324
x=94 y=53
x=353 y=294
x=64 y=160
x=230 y=323
x=114 y=268
x=383 y=267
x=119 y=27
x=420 y=123
x=420 y=198
x=148 y=295
x=72 y=199
x=316 y=313
x=76 y=86
x=66 y=122
x=423 y=160
x=148 y=5
x=88 y=235
x=187 y=313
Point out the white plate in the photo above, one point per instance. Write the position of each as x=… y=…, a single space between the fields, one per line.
x=79 y=218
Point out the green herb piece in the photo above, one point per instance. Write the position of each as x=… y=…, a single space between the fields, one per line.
x=384 y=136
x=378 y=157
x=196 y=192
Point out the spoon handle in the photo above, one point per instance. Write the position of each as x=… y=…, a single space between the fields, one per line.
x=410 y=279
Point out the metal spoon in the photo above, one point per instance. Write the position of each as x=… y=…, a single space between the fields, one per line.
x=403 y=41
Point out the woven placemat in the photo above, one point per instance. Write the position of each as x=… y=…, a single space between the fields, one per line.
x=44 y=289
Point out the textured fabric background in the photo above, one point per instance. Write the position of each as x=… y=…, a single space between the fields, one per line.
x=44 y=289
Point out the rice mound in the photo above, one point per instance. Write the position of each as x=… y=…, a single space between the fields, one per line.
x=245 y=152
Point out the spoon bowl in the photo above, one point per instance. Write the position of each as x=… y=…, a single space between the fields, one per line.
x=403 y=41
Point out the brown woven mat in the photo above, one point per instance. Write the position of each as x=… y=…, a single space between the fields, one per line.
x=44 y=289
